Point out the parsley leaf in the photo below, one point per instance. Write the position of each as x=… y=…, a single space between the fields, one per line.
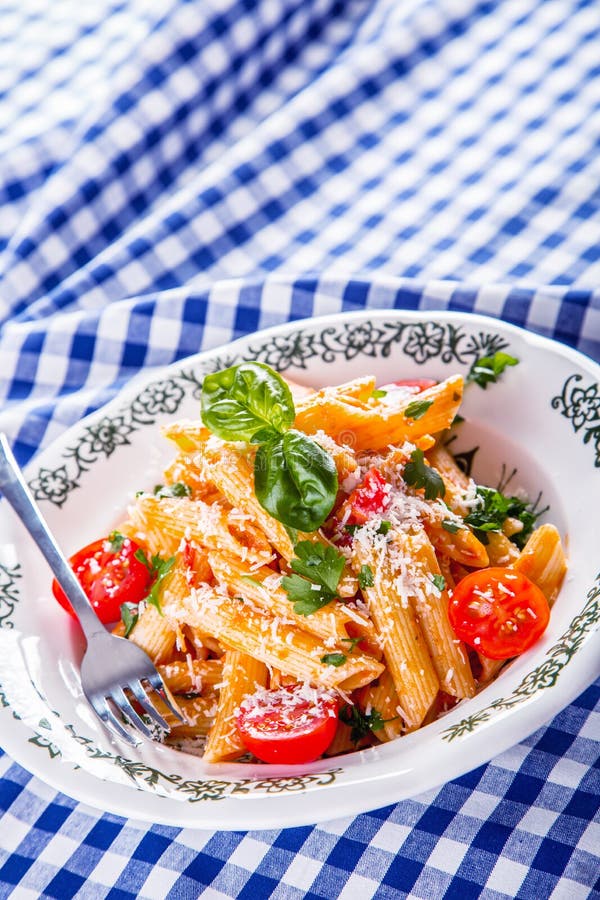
x=333 y=659
x=450 y=526
x=495 y=508
x=158 y=568
x=129 y=616
x=352 y=641
x=177 y=489
x=419 y=475
x=161 y=568
x=377 y=394
x=141 y=557
x=365 y=577
x=439 y=581
x=361 y=723
x=320 y=563
x=306 y=596
x=317 y=569
x=115 y=540
x=488 y=369
x=417 y=409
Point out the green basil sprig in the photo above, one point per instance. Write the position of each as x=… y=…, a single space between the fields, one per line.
x=239 y=402
x=295 y=480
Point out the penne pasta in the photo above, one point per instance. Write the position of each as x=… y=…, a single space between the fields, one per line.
x=379 y=617
x=241 y=675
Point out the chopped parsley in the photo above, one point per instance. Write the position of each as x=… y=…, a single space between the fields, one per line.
x=177 y=489
x=317 y=569
x=417 y=409
x=419 y=475
x=361 y=723
x=449 y=525
x=488 y=369
x=377 y=394
x=352 y=529
x=159 y=569
x=384 y=526
x=333 y=659
x=252 y=580
x=439 y=582
x=493 y=511
x=129 y=616
x=352 y=641
x=365 y=577
x=115 y=540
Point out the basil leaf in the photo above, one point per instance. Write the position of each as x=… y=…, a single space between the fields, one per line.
x=295 y=480
x=239 y=401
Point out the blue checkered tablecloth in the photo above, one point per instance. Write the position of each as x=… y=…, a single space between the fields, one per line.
x=176 y=174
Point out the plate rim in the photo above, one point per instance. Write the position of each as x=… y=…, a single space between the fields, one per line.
x=543 y=707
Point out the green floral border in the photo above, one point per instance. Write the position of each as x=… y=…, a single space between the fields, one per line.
x=543 y=676
x=581 y=405
x=9 y=593
x=422 y=341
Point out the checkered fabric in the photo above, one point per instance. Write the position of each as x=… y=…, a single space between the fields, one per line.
x=175 y=174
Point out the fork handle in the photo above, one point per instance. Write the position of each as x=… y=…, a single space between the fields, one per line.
x=16 y=493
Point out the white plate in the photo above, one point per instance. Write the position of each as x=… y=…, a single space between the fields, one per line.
x=543 y=418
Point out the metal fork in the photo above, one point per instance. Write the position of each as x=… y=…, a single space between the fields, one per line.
x=111 y=665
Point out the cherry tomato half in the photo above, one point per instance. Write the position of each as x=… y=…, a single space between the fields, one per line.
x=110 y=575
x=416 y=385
x=498 y=612
x=291 y=725
x=370 y=498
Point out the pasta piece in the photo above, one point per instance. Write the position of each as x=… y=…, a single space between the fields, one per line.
x=375 y=427
x=184 y=468
x=403 y=644
x=431 y=604
x=166 y=522
x=188 y=434
x=242 y=675
x=501 y=551
x=262 y=589
x=358 y=389
x=543 y=561
x=381 y=695
x=233 y=474
x=461 y=545
x=489 y=668
x=271 y=640
x=154 y=634
x=441 y=458
x=343 y=743
x=198 y=712
x=191 y=675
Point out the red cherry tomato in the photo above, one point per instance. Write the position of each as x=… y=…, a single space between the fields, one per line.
x=291 y=725
x=370 y=498
x=498 y=612
x=416 y=385
x=110 y=575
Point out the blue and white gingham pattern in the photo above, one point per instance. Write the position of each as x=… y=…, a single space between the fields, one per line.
x=176 y=174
